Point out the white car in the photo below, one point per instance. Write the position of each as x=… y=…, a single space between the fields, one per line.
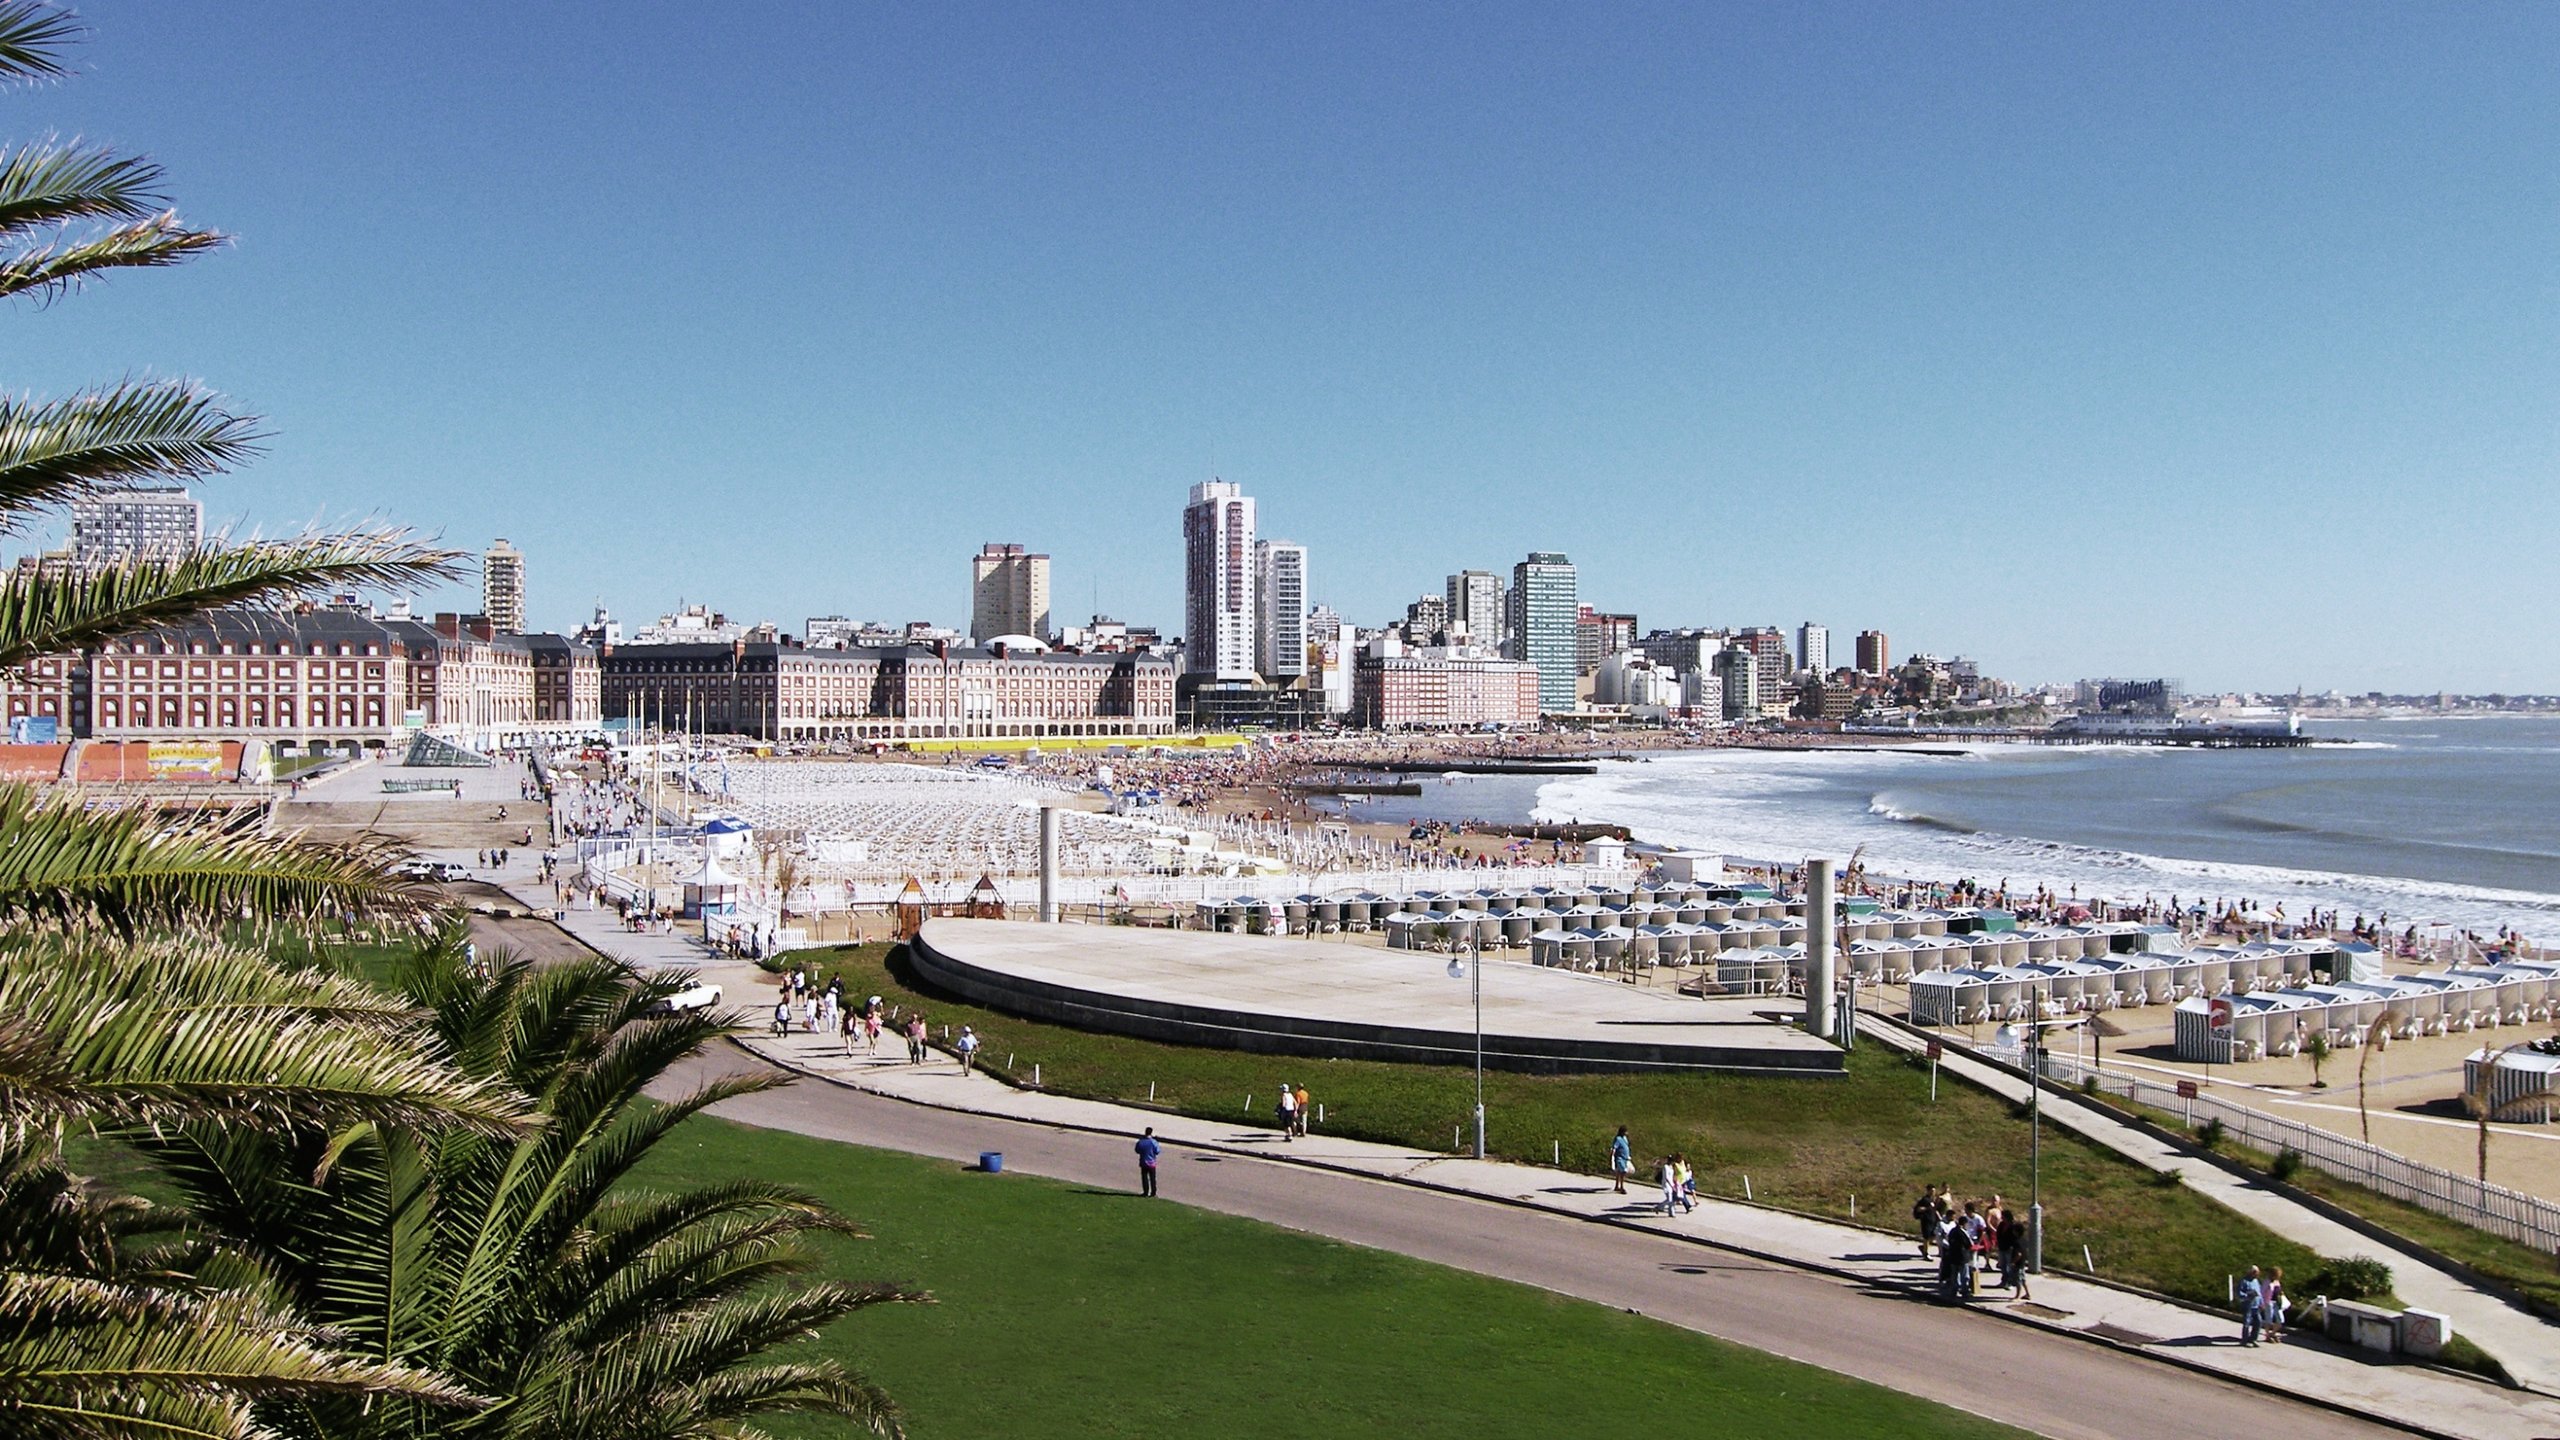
x=695 y=997
x=431 y=870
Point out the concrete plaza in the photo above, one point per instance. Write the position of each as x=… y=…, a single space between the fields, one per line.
x=1314 y=997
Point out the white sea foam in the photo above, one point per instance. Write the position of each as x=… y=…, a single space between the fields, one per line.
x=1760 y=805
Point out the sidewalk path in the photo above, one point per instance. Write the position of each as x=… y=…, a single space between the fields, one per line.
x=2408 y=1396
x=1884 y=1275
x=2523 y=1342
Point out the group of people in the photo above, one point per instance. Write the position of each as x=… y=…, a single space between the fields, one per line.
x=1292 y=1112
x=1966 y=1237
x=819 y=1008
x=2262 y=1306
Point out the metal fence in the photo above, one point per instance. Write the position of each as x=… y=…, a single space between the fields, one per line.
x=2511 y=1214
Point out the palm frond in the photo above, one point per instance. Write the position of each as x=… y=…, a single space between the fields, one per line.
x=163 y=239
x=32 y=39
x=50 y=612
x=126 y=868
x=88 y=1358
x=54 y=184
x=88 y=1038
x=52 y=451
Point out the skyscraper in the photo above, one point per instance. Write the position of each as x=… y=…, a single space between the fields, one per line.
x=135 y=519
x=1008 y=593
x=1769 y=644
x=1545 y=625
x=1475 y=603
x=502 y=588
x=1218 y=607
x=1280 y=594
x=1599 y=635
x=1813 y=648
x=1874 y=658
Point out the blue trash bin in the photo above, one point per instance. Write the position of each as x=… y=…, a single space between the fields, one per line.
x=991 y=1161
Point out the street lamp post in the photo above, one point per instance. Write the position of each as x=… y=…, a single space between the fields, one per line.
x=2035 y=1150
x=2031 y=1048
x=1476 y=973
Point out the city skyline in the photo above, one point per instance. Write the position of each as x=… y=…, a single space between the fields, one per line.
x=2057 y=306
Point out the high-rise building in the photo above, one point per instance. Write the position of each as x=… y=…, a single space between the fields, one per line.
x=1739 y=670
x=1545 y=628
x=1425 y=620
x=1813 y=648
x=1599 y=635
x=135 y=519
x=1874 y=656
x=1008 y=593
x=1280 y=596
x=1475 y=605
x=1769 y=644
x=1218 y=606
x=502 y=588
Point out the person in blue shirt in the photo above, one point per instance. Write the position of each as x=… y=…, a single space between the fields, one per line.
x=1622 y=1159
x=1148 y=1153
x=2253 y=1307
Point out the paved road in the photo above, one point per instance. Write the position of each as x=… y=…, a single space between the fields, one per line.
x=2047 y=1383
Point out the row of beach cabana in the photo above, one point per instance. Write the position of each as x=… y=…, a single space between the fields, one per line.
x=1364 y=911
x=2065 y=985
x=2281 y=1022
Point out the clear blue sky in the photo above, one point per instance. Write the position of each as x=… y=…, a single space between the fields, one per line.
x=2211 y=340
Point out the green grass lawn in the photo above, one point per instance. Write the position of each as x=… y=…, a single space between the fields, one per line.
x=1066 y=1311
x=1805 y=1144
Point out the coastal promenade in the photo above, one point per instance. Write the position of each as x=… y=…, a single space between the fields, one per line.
x=2076 y=1346
x=2528 y=1346
x=1864 y=1265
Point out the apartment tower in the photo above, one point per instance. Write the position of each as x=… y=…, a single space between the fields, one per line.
x=1008 y=593
x=1546 y=625
x=1218 y=600
x=1280 y=595
x=502 y=588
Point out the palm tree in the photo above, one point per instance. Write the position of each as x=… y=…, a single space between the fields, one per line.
x=525 y=1267
x=102 y=1333
x=100 y=1336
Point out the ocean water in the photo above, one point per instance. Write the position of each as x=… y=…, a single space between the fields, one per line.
x=2430 y=820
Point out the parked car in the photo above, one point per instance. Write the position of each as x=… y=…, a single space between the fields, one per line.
x=431 y=870
x=695 y=997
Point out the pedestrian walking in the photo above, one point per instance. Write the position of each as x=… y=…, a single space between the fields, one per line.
x=1622 y=1160
x=2272 y=1302
x=968 y=1048
x=2253 y=1307
x=1669 y=1174
x=1688 y=1178
x=1148 y=1153
x=871 y=1030
x=1302 y=1112
x=781 y=1017
x=1288 y=1112
x=849 y=1026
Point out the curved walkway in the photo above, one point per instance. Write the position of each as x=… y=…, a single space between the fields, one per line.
x=1862 y=1264
x=1848 y=1299
x=2526 y=1344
